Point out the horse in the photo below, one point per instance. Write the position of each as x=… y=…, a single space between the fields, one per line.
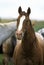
x=8 y=49
x=7 y=40
x=6 y=29
x=30 y=50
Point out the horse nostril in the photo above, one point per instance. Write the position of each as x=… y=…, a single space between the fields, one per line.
x=18 y=33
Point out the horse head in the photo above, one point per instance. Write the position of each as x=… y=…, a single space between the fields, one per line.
x=23 y=22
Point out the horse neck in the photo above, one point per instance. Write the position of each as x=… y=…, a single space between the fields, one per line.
x=28 y=39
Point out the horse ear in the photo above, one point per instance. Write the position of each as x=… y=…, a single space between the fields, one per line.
x=20 y=10
x=28 y=11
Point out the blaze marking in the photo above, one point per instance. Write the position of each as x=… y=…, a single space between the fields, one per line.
x=21 y=23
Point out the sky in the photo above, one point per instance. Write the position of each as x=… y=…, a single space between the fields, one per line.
x=9 y=8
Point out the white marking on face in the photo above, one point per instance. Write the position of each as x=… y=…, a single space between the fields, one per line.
x=21 y=23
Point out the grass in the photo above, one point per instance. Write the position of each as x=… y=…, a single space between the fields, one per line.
x=1 y=58
x=7 y=20
x=37 y=26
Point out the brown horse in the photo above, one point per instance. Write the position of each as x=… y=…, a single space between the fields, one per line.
x=8 y=49
x=30 y=50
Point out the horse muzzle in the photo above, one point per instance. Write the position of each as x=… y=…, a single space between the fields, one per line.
x=19 y=35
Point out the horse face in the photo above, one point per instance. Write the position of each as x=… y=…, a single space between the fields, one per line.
x=23 y=23
x=19 y=32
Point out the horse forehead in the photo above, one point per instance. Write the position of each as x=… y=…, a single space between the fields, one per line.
x=22 y=18
x=21 y=22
